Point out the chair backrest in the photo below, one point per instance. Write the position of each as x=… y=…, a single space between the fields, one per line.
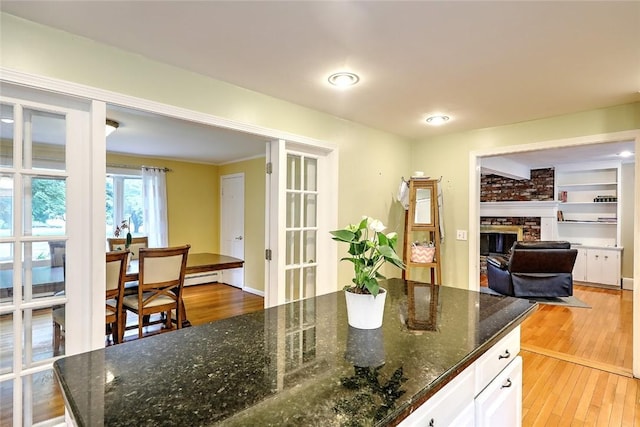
x=137 y=243
x=116 y=269
x=115 y=276
x=162 y=268
x=542 y=257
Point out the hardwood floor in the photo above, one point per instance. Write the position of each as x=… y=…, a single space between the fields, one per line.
x=577 y=361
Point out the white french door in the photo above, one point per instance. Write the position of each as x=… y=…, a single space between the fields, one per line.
x=302 y=208
x=44 y=158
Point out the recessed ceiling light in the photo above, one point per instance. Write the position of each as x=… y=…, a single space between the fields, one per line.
x=625 y=154
x=343 y=79
x=6 y=120
x=437 y=119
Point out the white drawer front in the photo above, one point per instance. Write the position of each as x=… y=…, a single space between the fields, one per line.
x=490 y=364
x=500 y=404
x=447 y=404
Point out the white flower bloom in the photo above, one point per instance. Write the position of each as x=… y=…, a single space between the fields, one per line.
x=375 y=225
x=392 y=235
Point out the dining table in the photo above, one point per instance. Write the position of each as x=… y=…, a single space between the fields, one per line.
x=197 y=262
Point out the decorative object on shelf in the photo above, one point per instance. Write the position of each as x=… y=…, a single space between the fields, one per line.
x=125 y=225
x=369 y=249
x=422 y=252
x=562 y=196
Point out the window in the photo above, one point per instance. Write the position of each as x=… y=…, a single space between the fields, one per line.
x=124 y=202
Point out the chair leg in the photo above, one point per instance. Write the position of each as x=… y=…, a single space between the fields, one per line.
x=140 y=324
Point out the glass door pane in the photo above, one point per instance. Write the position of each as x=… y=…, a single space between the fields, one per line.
x=301 y=227
x=33 y=235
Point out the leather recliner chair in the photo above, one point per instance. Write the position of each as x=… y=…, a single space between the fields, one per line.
x=534 y=269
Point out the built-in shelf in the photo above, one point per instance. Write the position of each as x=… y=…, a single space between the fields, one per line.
x=586 y=203
x=588 y=222
x=588 y=184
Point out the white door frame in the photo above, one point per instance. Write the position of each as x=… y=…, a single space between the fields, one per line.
x=474 y=212
x=235 y=271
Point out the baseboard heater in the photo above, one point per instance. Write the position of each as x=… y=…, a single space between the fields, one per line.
x=199 y=278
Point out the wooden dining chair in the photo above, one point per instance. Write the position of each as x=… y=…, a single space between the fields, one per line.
x=115 y=317
x=160 y=282
x=137 y=243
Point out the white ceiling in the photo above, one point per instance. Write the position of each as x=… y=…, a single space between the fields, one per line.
x=483 y=63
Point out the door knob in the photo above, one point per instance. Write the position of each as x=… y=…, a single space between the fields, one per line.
x=239 y=238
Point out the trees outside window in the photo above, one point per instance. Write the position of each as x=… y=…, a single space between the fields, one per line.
x=124 y=202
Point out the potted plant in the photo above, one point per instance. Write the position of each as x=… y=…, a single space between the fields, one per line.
x=369 y=249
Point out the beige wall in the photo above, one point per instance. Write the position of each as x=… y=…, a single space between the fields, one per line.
x=192 y=201
x=448 y=156
x=626 y=221
x=254 y=217
x=371 y=162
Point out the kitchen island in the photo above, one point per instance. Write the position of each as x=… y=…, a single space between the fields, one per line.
x=297 y=364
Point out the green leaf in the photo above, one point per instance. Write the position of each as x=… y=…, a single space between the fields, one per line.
x=343 y=236
x=372 y=286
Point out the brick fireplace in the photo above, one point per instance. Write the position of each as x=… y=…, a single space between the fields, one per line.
x=513 y=209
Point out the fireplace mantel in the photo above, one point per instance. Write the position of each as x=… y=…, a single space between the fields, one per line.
x=546 y=209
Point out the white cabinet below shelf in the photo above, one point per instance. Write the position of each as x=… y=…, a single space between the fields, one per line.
x=598 y=265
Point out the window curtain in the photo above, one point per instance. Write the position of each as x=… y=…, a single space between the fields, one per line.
x=154 y=196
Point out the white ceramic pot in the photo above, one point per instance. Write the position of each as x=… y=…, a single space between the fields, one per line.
x=364 y=311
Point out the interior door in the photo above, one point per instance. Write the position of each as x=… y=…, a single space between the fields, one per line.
x=45 y=306
x=302 y=207
x=232 y=225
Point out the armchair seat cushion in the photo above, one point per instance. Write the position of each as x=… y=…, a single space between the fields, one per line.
x=542 y=284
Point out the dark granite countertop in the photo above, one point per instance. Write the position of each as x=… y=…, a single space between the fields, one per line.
x=298 y=364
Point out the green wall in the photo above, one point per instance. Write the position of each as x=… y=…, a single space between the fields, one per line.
x=371 y=161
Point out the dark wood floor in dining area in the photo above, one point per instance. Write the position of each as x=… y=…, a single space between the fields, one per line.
x=577 y=361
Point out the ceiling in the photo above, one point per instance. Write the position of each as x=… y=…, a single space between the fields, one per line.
x=483 y=63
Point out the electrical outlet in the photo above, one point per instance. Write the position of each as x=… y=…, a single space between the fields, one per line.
x=461 y=234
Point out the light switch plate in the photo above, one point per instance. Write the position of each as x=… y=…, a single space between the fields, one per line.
x=461 y=234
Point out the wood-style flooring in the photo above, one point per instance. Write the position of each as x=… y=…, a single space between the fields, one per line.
x=577 y=361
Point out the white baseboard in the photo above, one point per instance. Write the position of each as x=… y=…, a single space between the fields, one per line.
x=627 y=283
x=199 y=278
x=253 y=291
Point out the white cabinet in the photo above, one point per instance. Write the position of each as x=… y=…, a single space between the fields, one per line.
x=491 y=388
x=603 y=266
x=598 y=265
x=500 y=404
x=445 y=407
x=580 y=267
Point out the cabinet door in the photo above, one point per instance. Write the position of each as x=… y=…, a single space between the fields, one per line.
x=500 y=404
x=580 y=267
x=603 y=266
x=610 y=267
x=594 y=266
